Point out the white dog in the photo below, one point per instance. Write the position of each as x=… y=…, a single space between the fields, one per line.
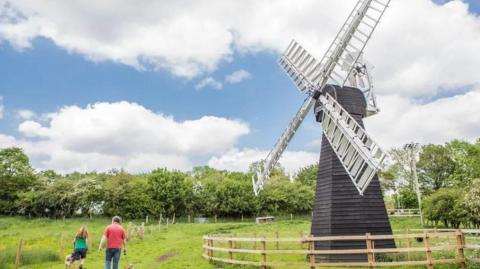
x=68 y=261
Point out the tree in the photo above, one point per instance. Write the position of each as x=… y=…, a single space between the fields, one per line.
x=435 y=167
x=286 y=196
x=52 y=197
x=200 y=172
x=205 y=196
x=16 y=176
x=402 y=166
x=126 y=195
x=467 y=161
x=235 y=195
x=170 y=190
x=446 y=206
x=472 y=203
x=308 y=175
x=299 y=198
x=407 y=198
x=389 y=184
x=89 y=191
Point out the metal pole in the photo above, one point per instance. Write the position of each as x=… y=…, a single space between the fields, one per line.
x=413 y=147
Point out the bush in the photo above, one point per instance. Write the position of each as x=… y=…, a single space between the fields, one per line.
x=407 y=198
x=472 y=203
x=446 y=206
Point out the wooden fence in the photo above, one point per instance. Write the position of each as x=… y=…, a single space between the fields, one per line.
x=427 y=248
x=404 y=212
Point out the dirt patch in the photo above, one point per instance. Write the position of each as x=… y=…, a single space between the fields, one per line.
x=167 y=256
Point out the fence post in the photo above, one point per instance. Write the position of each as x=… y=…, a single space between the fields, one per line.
x=205 y=242
x=301 y=237
x=276 y=242
x=230 y=246
x=142 y=230
x=189 y=218
x=19 y=254
x=428 y=250
x=207 y=239
x=264 y=254
x=129 y=231
x=311 y=247
x=460 y=247
x=210 y=241
x=370 y=254
x=409 y=253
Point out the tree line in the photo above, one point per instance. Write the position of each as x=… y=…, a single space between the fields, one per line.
x=204 y=191
x=449 y=180
x=448 y=175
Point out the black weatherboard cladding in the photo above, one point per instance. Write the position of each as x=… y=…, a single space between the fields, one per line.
x=339 y=209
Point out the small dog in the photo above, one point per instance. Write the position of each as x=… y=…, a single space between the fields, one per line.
x=130 y=266
x=68 y=261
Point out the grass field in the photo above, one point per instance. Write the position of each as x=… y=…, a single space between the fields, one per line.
x=178 y=246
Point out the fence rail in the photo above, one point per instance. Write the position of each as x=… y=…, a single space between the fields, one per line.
x=426 y=248
x=404 y=212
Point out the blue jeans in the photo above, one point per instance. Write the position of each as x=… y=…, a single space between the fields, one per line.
x=112 y=254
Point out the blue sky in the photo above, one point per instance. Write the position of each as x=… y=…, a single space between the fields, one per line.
x=44 y=71
x=45 y=78
x=474 y=6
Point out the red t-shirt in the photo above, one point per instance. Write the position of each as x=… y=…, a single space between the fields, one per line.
x=115 y=235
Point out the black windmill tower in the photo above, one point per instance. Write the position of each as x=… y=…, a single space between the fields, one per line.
x=340 y=89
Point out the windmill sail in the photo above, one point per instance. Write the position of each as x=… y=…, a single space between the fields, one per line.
x=358 y=153
x=311 y=76
x=360 y=32
x=336 y=64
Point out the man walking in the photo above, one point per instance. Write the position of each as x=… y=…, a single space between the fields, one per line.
x=115 y=236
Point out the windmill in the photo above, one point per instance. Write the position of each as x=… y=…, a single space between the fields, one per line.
x=340 y=89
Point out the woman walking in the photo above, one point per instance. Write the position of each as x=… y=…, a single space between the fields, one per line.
x=80 y=247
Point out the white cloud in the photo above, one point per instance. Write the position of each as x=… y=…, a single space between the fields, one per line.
x=423 y=49
x=235 y=77
x=123 y=135
x=401 y=120
x=26 y=114
x=239 y=160
x=7 y=141
x=238 y=76
x=209 y=82
x=1 y=107
x=419 y=47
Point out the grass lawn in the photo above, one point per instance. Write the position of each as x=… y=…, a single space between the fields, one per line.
x=179 y=246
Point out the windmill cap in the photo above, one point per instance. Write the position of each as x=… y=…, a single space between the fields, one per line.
x=351 y=99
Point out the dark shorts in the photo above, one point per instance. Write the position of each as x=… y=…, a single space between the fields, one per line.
x=79 y=254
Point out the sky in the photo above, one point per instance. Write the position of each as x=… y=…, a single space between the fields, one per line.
x=180 y=84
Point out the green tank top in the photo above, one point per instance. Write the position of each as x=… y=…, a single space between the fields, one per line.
x=80 y=243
